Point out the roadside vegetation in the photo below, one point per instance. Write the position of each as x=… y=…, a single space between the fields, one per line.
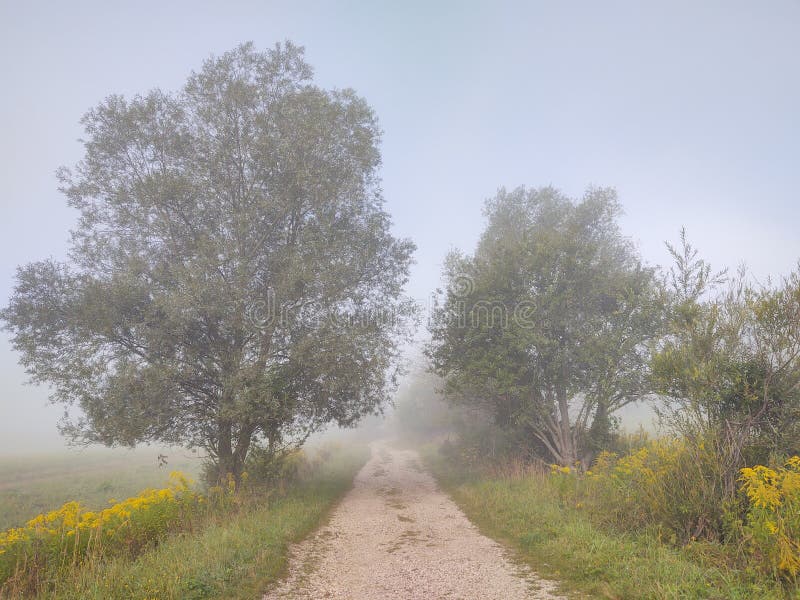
x=567 y=536
x=180 y=541
x=549 y=329
x=34 y=484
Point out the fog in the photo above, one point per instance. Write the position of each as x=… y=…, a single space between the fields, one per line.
x=688 y=110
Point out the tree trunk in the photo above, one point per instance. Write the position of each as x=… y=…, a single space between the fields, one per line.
x=230 y=457
x=601 y=426
x=599 y=433
x=225 y=462
x=567 y=441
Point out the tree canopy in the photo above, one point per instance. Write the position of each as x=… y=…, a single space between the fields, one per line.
x=232 y=278
x=548 y=324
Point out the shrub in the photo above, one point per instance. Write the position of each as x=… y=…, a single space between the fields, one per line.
x=668 y=484
x=772 y=527
x=277 y=470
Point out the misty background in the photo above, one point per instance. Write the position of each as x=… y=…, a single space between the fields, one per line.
x=688 y=110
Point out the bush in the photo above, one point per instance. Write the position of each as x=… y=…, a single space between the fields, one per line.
x=772 y=528
x=667 y=484
x=276 y=471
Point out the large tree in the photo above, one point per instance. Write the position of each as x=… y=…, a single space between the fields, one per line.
x=232 y=278
x=548 y=324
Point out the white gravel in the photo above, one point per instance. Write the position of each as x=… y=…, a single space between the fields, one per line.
x=396 y=535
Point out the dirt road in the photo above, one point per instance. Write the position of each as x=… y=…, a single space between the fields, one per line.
x=396 y=535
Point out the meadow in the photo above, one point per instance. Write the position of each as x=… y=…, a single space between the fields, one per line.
x=34 y=483
x=182 y=540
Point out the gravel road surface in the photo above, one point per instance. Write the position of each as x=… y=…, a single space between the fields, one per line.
x=396 y=535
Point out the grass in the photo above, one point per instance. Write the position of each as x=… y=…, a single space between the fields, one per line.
x=562 y=543
x=32 y=484
x=238 y=556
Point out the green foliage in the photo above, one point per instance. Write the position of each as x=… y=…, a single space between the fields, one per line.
x=546 y=327
x=564 y=541
x=666 y=485
x=232 y=275
x=677 y=489
x=480 y=442
x=729 y=367
x=267 y=471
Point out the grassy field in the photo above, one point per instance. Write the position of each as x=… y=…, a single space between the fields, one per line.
x=32 y=484
x=562 y=543
x=237 y=557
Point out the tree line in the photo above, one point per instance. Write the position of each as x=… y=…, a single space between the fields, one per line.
x=252 y=187
x=718 y=355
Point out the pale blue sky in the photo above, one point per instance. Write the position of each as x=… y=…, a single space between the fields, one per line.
x=689 y=109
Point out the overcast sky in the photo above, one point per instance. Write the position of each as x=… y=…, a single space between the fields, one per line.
x=689 y=109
